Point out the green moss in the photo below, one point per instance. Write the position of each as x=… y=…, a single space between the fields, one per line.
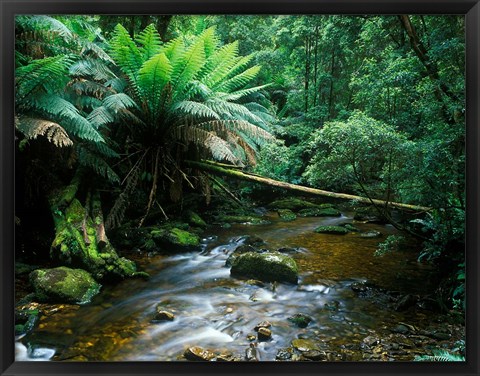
x=64 y=285
x=350 y=227
x=319 y=212
x=338 y=230
x=269 y=266
x=183 y=238
x=286 y=215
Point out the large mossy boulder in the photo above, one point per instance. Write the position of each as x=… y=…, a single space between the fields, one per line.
x=63 y=285
x=241 y=219
x=268 y=267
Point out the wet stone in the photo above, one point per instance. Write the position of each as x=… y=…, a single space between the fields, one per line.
x=304 y=345
x=284 y=354
x=197 y=353
x=251 y=353
x=162 y=315
x=402 y=329
x=371 y=341
x=264 y=334
x=316 y=355
x=406 y=302
x=263 y=324
x=251 y=337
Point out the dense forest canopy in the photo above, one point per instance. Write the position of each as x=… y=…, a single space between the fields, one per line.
x=110 y=110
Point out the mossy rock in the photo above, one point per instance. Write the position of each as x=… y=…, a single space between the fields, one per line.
x=350 y=227
x=286 y=215
x=267 y=267
x=320 y=212
x=244 y=248
x=64 y=285
x=294 y=204
x=369 y=214
x=338 y=230
x=25 y=320
x=300 y=319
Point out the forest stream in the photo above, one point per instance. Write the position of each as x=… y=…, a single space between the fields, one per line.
x=343 y=287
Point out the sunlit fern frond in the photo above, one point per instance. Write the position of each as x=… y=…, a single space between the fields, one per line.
x=219 y=64
x=31 y=128
x=187 y=66
x=125 y=52
x=254 y=132
x=238 y=81
x=239 y=94
x=149 y=41
x=234 y=111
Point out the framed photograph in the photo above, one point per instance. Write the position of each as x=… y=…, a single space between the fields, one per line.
x=221 y=187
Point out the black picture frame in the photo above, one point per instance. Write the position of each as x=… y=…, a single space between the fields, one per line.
x=9 y=8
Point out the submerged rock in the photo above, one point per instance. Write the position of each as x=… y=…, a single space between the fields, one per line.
x=315 y=355
x=300 y=319
x=268 y=267
x=197 y=353
x=64 y=285
x=284 y=354
x=337 y=230
x=350 y=227
x=251 y=353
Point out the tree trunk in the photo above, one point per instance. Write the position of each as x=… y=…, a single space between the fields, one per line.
x=80 y=239
x=215 y=169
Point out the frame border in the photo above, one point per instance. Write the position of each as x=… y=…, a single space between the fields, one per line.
x=9 y=8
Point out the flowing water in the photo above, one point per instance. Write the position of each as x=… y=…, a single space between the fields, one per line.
x=216 y=311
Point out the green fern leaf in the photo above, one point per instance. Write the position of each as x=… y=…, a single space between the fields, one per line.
x=150 y=42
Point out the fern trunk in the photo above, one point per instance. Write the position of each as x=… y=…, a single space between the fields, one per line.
x=80 y=240
x=234 y=173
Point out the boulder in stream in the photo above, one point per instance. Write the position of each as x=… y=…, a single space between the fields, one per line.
x=175 y=239
x=286 y=215
x=264 y=334
x=268 y=267
x=300 y=319
x=197 y=353
x=63 y=285
x=319 y=212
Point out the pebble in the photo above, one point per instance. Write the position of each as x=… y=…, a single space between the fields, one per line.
x=197 y=353
x=264 y=334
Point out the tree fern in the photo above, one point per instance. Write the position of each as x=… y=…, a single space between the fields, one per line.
x=150 y=42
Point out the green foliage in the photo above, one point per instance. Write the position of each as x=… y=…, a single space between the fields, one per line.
x=361 y=155
x=391 y=244
x=440 y=356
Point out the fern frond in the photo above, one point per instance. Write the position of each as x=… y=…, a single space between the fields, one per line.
x=234 y=111
x=239 y=80
x=93 y=68
x=440 y=356
x=31 y=128
x=125 y=52
x=72 y=121
x=185 y=69
x=254 y=132
x=100 y=117
x=118 y=102
x=81 y=87
x=195 y=109
x=236 y=95
x=210 y=41
x=220 y=63
x=38 y=76
x=150 y=42
x=152 y=78
x=89 y=159
x=216 y=146
x=44 y=22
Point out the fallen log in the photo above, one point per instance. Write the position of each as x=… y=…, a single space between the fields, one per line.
x=235 y=173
